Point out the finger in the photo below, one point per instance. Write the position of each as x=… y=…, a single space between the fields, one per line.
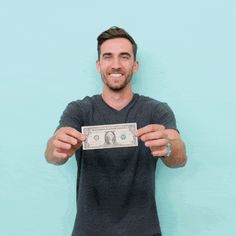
x=74 y=133
x=161 y=152
x=149 y=128
x=59 y=154
x=153 y=135
x=63 y=137
x=158 y=143
x=58 y=144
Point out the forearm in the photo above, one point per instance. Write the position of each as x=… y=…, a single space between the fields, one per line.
x=178 y=157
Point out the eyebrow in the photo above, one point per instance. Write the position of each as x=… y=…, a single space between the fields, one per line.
x=125 y=54
x=107 y=54
x=121 y=54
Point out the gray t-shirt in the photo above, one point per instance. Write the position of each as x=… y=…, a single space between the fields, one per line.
x=116 y=187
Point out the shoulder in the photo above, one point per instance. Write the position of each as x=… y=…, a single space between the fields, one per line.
x=76 y=112
x=80 y=107
x=153 y=103
x=161 y=113
x=86 y=102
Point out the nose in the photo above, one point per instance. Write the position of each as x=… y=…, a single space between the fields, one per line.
x=116 y=63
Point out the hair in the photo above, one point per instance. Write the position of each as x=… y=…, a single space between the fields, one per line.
x=115 y=32
x=107 y=139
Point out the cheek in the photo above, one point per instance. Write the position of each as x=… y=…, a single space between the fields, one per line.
x=100 y=69
x=104 y=67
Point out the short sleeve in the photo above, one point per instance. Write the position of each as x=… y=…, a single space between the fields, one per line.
x=71 y=117
x=164 y=115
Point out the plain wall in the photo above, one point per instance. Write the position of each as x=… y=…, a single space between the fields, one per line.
x=187 y=58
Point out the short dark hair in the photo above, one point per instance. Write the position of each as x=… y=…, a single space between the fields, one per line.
x=115 y=32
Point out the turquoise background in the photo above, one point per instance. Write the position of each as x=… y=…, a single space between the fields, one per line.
x=47 y=59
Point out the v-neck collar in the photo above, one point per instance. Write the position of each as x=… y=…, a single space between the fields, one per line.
x=134 y=98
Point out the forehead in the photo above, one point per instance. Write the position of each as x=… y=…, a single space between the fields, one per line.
x=117 y=45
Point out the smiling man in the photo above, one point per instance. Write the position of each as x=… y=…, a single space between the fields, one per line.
x=116 y=186
x=116 y=64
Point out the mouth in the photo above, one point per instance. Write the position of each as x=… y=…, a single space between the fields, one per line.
x=115 y=75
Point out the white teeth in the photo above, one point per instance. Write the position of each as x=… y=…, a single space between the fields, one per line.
x=116 y=75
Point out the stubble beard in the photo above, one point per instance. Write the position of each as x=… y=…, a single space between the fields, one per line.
x=119 y=87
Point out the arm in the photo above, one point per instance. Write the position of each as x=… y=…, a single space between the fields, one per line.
x=156 y=137
x=62 y=145
x=178 y=157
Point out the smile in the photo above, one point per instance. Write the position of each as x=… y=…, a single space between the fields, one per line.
x=115 y=75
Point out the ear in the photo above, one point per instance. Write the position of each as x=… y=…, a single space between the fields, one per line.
x=98 y=65
x=136 y=67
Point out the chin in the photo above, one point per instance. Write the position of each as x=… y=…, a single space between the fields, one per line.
x=118 y=85
x=116 y=89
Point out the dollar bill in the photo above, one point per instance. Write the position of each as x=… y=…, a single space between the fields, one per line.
x=110 y=136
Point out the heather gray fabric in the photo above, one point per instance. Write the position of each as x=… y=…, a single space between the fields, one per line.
x=116 y=187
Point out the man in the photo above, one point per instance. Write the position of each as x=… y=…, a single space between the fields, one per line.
x=116 y=186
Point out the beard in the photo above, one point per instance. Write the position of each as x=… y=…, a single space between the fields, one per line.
x=117 y=84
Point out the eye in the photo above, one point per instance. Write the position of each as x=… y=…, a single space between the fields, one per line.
x=106 y=56
x=125 y=57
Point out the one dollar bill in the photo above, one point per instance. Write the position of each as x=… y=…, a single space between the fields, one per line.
x=110 y=136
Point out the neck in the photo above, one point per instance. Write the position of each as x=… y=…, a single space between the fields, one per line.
x=117 y=99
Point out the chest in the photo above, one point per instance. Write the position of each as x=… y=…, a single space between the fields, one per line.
x=101 y=116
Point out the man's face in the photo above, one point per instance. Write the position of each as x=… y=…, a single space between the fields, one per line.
x=116 y=63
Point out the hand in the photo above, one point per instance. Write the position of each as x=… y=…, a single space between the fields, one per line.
x=155 y=137
x=65 y=142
